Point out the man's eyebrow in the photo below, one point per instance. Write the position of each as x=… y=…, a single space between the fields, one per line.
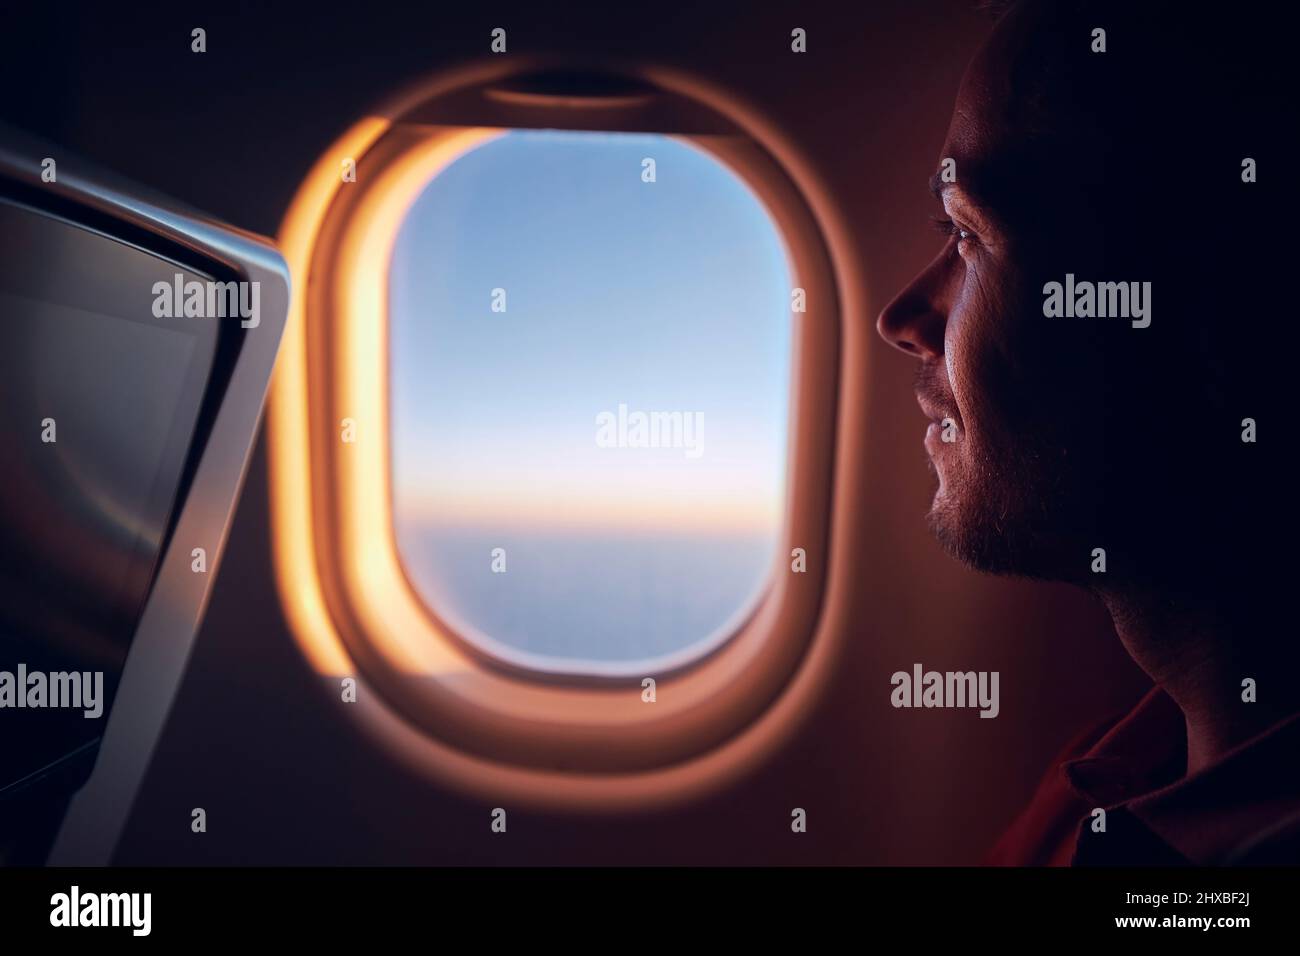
x=974 y=202
x=937 y=185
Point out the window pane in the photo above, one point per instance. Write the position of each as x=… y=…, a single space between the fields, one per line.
x=590 y=372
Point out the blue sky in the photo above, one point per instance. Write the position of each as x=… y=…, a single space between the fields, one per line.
x=671 y=296
x=668 y=296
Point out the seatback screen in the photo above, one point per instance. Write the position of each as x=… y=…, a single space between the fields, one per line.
x=99 y=401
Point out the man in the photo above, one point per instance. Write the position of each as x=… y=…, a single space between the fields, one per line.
x=1093 y=348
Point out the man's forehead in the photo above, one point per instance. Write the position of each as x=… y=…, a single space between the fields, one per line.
x=981 y=132
x=989 y=152
x=988 y=128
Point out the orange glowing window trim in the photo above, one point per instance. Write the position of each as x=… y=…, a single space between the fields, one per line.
x=423 y=693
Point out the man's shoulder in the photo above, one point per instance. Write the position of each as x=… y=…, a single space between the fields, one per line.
x=1086 y=739
x=1043 y=832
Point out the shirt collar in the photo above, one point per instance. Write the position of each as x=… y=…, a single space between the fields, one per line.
x=1139 y=765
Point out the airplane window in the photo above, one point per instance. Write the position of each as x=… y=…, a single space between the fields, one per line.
x=589 y=374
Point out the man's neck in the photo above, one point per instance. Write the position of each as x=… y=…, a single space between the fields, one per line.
x=1202 y=658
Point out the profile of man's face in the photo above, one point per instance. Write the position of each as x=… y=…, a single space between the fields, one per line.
x=1025 y=411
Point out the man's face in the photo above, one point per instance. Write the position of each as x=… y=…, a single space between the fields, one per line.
x=1020 y=477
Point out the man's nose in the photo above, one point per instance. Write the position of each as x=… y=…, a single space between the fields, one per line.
x=914 y=321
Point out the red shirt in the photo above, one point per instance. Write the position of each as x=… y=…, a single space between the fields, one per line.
x=1242 y=809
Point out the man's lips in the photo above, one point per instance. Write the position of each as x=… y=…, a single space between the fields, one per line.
x=932 y=436
x=938 y=420
x=932 y=412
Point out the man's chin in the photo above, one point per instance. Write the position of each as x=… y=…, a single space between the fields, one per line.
x=953 y=536
x=992 y=542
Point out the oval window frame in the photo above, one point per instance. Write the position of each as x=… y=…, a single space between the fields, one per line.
x=440 y=703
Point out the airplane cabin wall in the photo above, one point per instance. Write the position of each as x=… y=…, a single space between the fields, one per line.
x=283 y=778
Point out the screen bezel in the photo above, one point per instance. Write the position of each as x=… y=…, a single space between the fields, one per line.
x=214 y=469
x=70 y=769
